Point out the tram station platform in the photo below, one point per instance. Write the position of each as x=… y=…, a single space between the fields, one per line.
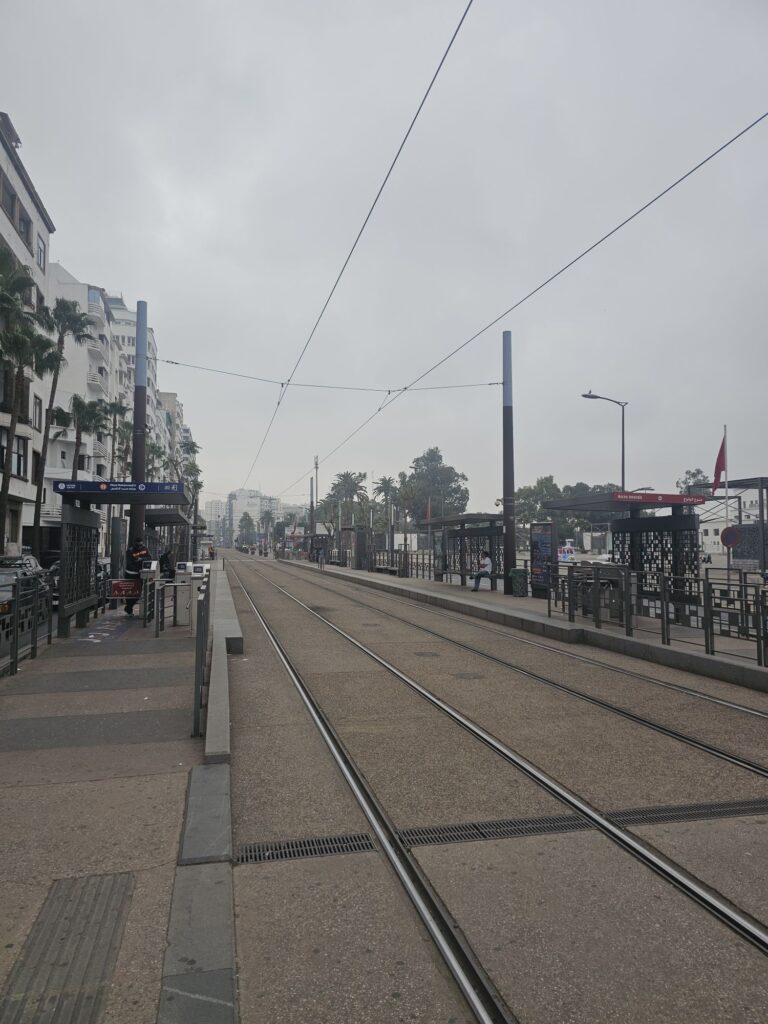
x=735 y=660
x=95 y=756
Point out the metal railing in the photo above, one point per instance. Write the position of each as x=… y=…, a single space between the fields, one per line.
x=202 y=612
x=26 y=619
x=722 y=617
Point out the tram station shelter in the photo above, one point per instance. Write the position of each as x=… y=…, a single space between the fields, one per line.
x=650 y=532
x=751 y=547
x=80 y=531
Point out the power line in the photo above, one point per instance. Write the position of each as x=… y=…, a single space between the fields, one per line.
x=327 y=387
x=585 y=252
x=400 y=148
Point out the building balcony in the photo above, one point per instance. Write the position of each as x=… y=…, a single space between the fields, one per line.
x=96 y=310
x=51 y=511
x=98 y=382
x=97 y=350
x=99 y=451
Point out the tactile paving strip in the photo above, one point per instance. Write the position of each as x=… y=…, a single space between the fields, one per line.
x=65 y=967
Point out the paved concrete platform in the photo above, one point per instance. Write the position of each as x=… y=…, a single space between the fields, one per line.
x=94 y=757
x=570 y=930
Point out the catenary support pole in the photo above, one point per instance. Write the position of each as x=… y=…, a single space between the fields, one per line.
x=508 y=458
x=139 y=455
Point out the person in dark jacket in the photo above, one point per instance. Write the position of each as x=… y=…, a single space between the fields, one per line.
x=134 y=556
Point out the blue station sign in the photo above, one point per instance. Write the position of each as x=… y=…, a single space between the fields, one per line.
x=136 y=492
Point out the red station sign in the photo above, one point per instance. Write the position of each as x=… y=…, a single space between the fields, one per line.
x=651 y=498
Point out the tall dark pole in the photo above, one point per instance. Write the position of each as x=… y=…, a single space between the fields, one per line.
x=623 y=460
x=311 y=506
x=508 y=458
x=139 y=455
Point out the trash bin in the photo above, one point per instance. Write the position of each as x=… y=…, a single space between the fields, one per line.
x=519 y=579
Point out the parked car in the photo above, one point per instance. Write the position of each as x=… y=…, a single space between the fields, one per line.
x=24 y=565
x=9 y=574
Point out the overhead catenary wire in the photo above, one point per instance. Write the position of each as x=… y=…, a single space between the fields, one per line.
x=325 y=387
x=534 y=291
x=359 y=235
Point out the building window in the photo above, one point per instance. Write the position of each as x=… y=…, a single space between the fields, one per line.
x=25 y=227
x=63 y=457
x=84 y=462
x=705 y=532
x=7 y=197
x=101 y=470
x=19 y=454
x=716 y=532
x=37 y=413
x=41 y=253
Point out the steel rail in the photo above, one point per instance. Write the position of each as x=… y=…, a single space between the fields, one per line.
x=648 y=723
x=475 y=985
x=470 y=621
x=737 y=920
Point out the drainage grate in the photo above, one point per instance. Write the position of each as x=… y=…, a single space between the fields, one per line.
x=472 y=831
x=688 y=812
x=505 y=829
x=294 y=849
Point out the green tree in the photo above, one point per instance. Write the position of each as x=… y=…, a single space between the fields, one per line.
x=155 y=460
x=266 y=521
x=66 y=320
x=349 y=489
x=432 y=484
x=85 y=418
x=246 y=529
x=116 y=410
x=22 y=348
x=690 y=479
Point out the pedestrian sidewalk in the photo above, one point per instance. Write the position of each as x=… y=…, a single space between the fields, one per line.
x=95 y=753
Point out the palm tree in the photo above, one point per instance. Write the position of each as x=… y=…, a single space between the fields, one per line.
x=154 y=459
x=386 y=488
x=349 y=487
x=22 y=348
x=86 y=418
x=116 y=410
x=124 y=447
x=15 y=282
x=66 y=320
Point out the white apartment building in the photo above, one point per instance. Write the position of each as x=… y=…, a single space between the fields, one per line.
x=215 y=513
x=254 y=503
x=97 y=371
x=25 y=230
x=171 y=411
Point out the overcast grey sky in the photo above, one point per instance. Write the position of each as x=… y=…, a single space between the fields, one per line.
x=217 y=159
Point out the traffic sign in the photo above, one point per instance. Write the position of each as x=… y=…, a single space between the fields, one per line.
x=729 y=538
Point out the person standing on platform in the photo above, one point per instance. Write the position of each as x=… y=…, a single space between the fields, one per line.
x=134 y=556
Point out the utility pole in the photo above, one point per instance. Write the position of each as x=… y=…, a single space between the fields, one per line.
x=508 y=458
x=139 y=457
x=311 y=507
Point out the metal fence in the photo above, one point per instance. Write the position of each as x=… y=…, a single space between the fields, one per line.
x=202 y=613
x=26 y=620
x=724 y=616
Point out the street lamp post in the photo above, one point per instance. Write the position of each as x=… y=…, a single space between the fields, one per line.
x=622 y=406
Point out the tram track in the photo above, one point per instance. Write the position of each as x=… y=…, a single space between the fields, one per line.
x=641 y=720
x=527 y=642
x=472 y=980
x=641 y=851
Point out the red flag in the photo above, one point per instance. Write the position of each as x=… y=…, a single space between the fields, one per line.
x=719 y=467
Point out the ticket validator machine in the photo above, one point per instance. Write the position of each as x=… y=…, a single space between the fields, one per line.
x=189 y=576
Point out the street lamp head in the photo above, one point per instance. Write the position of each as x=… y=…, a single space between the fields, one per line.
x=590 y=395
